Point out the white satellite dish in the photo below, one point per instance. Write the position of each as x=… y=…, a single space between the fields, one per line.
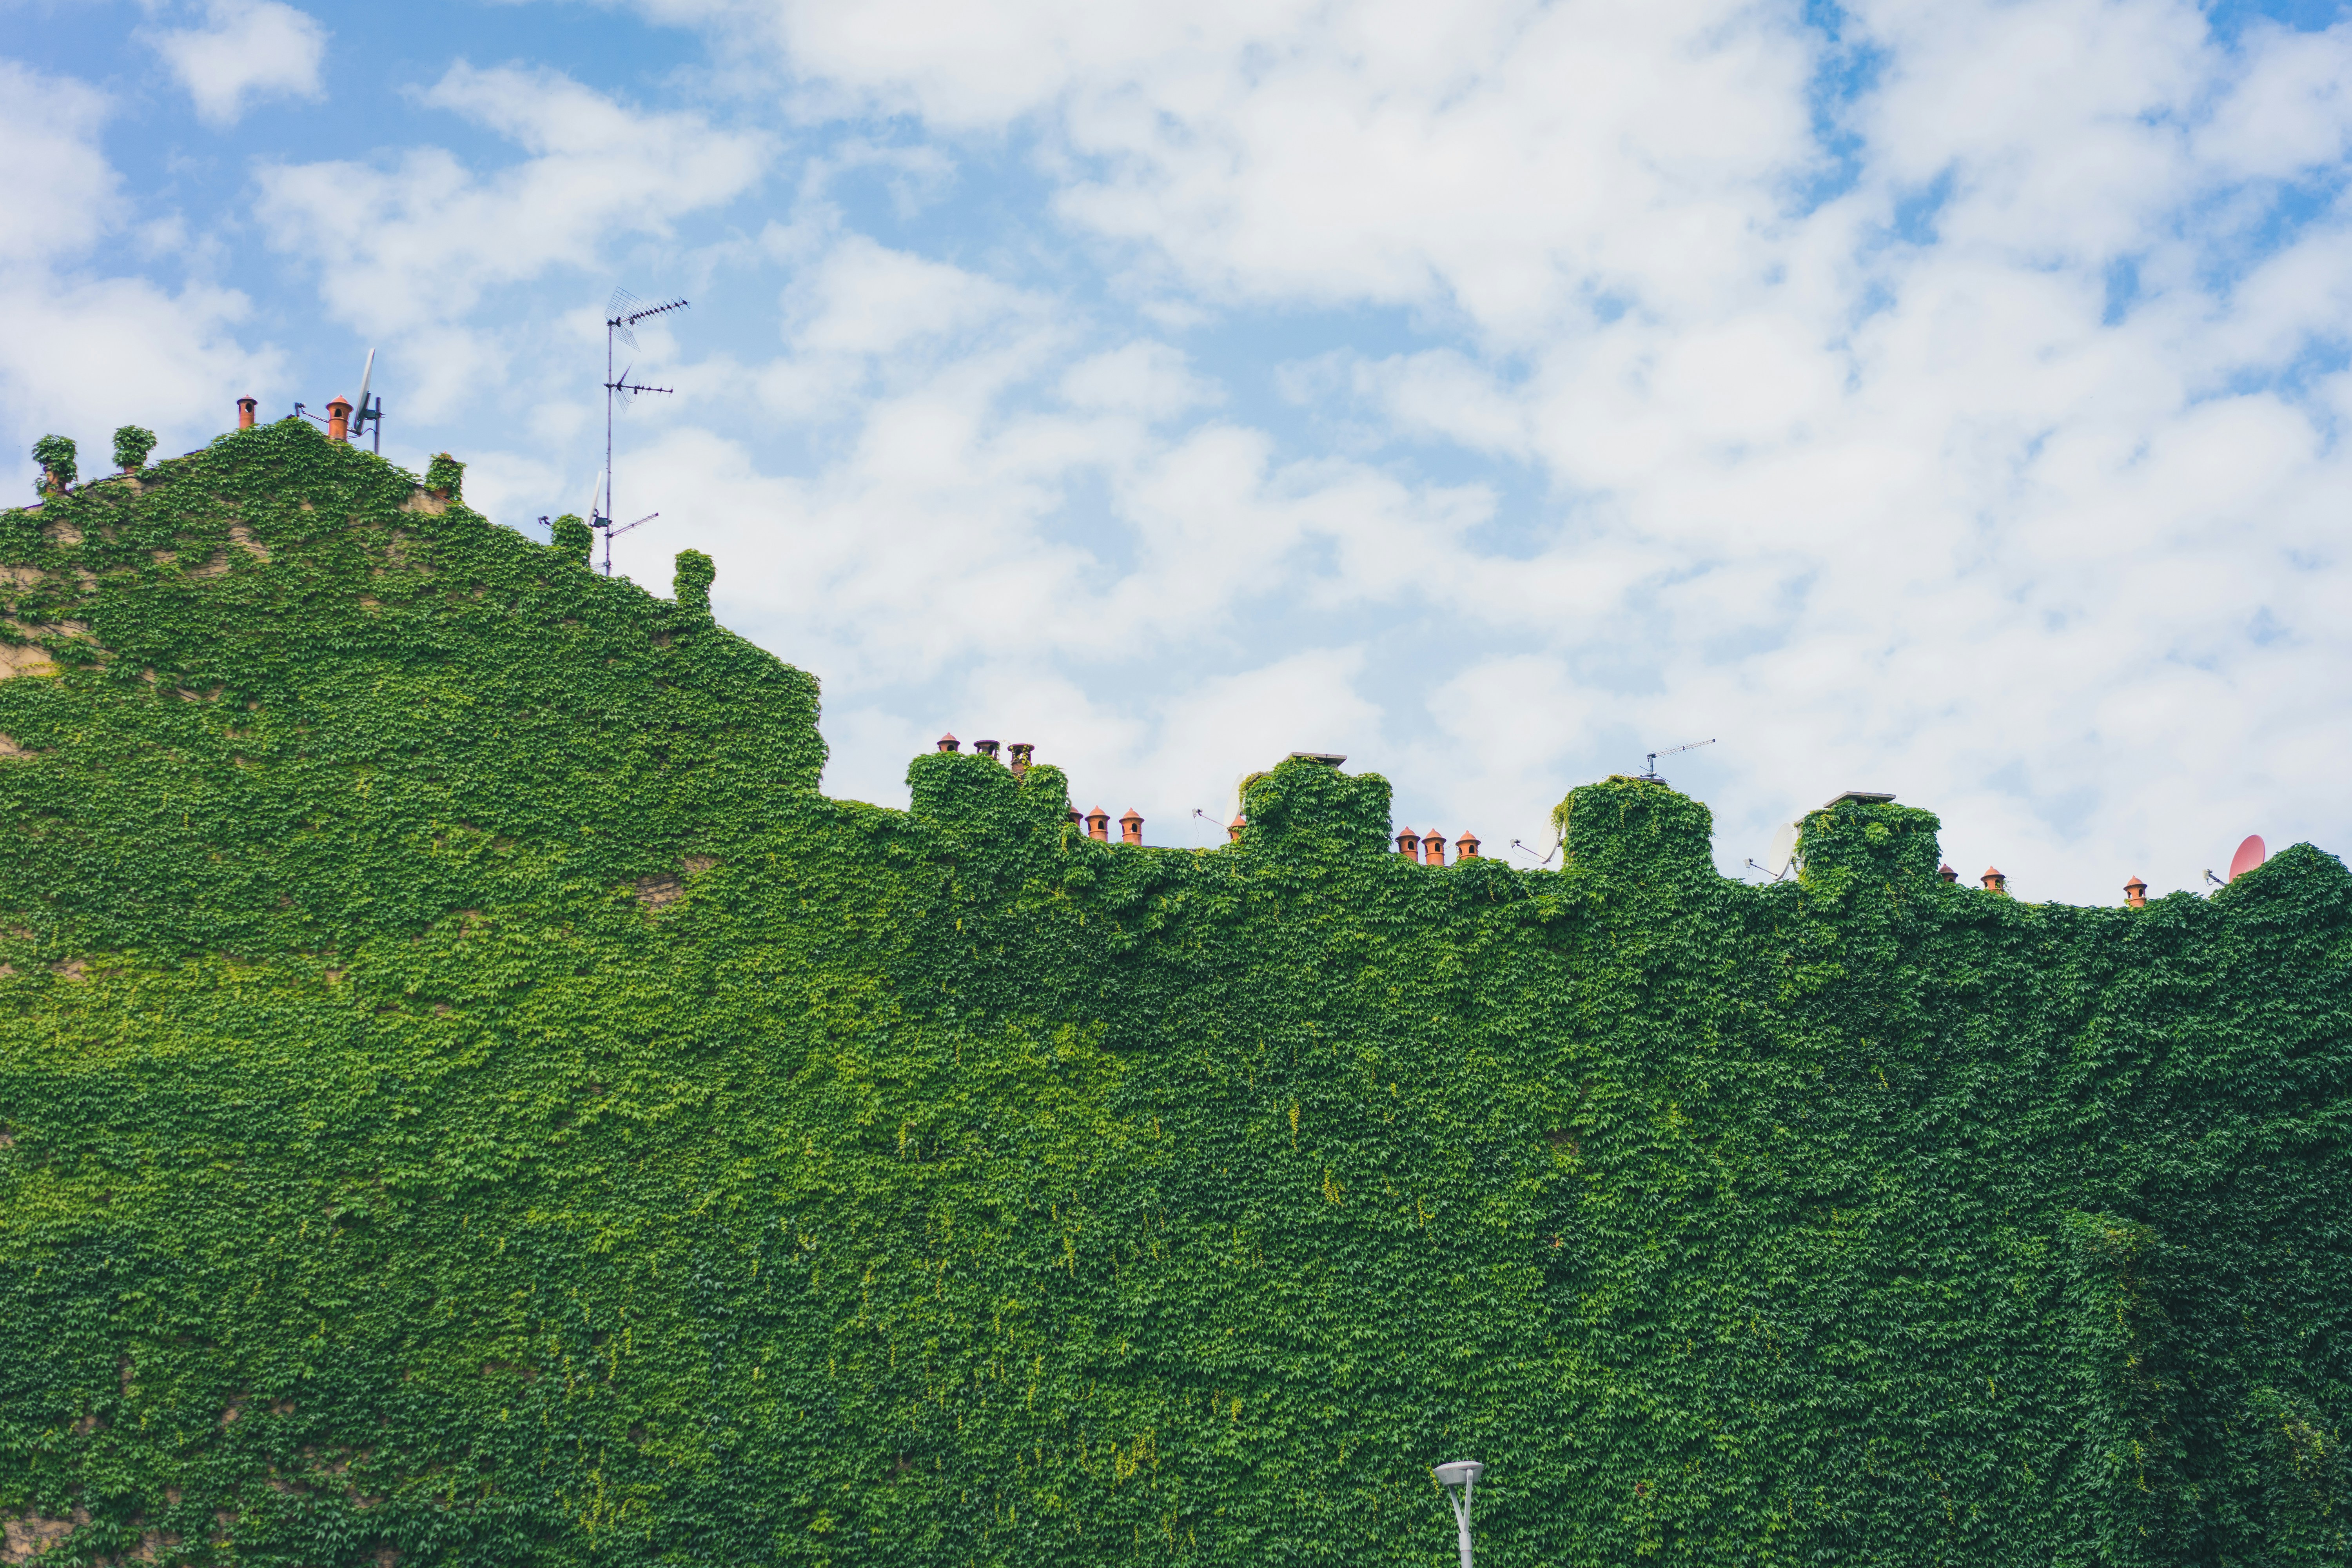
x=1781 y=858
x=368 y=415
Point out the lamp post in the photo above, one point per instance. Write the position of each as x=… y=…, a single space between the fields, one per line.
x=1464 y=1474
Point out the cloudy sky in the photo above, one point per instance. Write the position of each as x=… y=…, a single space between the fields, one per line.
x=1945 y=398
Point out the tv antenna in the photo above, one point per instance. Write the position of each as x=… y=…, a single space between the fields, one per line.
x=369 y=417
x=623 y=311
x=1650 y=774
x=598 y=520
x=611 y=533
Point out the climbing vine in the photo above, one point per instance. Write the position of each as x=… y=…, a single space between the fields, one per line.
x=55 y=455
x=467 y=1097
x=131 y=445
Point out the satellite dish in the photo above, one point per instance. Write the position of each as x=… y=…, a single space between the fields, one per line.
x=2250 y=854
x=365 y=375
x=1783 y=853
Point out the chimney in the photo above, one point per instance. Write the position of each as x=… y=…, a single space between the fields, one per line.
x=950 y=743
x=1130 y=827
x=1408 y=844
x=1433 y=849
x=1465 y=847
x=1075 y=818
x=986 y=749
x=2135 y=893
x=1994 y=882
x=1945 y=873
x=338 y=418
x=1098 y=825
x=1233 y=829
x=245 y=407
x=1021 y=752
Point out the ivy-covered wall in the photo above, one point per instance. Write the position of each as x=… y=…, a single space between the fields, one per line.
x=466 y=1098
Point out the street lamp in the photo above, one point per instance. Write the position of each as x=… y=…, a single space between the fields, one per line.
x=1463 y=1473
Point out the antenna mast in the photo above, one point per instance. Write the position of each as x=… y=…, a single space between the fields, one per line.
x=1650 y=774
x=623 y=311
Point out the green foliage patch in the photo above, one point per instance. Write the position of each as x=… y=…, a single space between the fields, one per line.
x=56 y=454
x=466 y=1097
x=131 y=445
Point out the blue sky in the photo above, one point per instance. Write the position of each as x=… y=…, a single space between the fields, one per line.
x=1941 y=398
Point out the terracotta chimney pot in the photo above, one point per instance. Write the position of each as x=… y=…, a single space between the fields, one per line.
x=1433 y=848
x=1098 y=825
x=1946 y=874
x=338 y=418
x=1130 y=827
x=1233 y=829
x=1465 y=847
x=986 y=749
x=1994 y=882
x=245 y=407
x=2135 y=893
x=1021 y=752
x=950 y=743
x=1075 y=818
x=1408 y=844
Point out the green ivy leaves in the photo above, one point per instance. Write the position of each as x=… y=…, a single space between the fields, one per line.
x=466 y=1095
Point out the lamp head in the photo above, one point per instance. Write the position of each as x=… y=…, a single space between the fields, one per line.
x=1459 y=1473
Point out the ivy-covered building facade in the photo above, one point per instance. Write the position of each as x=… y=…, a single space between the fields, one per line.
x=466 y=1097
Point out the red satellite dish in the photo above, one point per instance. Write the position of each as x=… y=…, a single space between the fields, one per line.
x=2250 y=854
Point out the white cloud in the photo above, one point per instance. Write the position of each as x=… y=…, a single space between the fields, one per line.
x=63 y=194
x=87 y=354
x=1227 y=727
x=1377 y=151
x=421 y=243
x=245 y=50
x=88 y=349
x=1150 y=380
x=866 y=299
x=2287 y=114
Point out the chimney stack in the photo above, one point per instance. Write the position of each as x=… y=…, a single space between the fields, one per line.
x=1409 y=843
x=1098 y=825
x=1945 y=875
x=986 y=749
x=1021 y=752
x=245 y=407
x=1233 y=829
x=1465 y=847
x=2135 y=893
x=1433 y=849
x=950 y=743
x=338 y=418
x=1130 y=827
x=1994 y=882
